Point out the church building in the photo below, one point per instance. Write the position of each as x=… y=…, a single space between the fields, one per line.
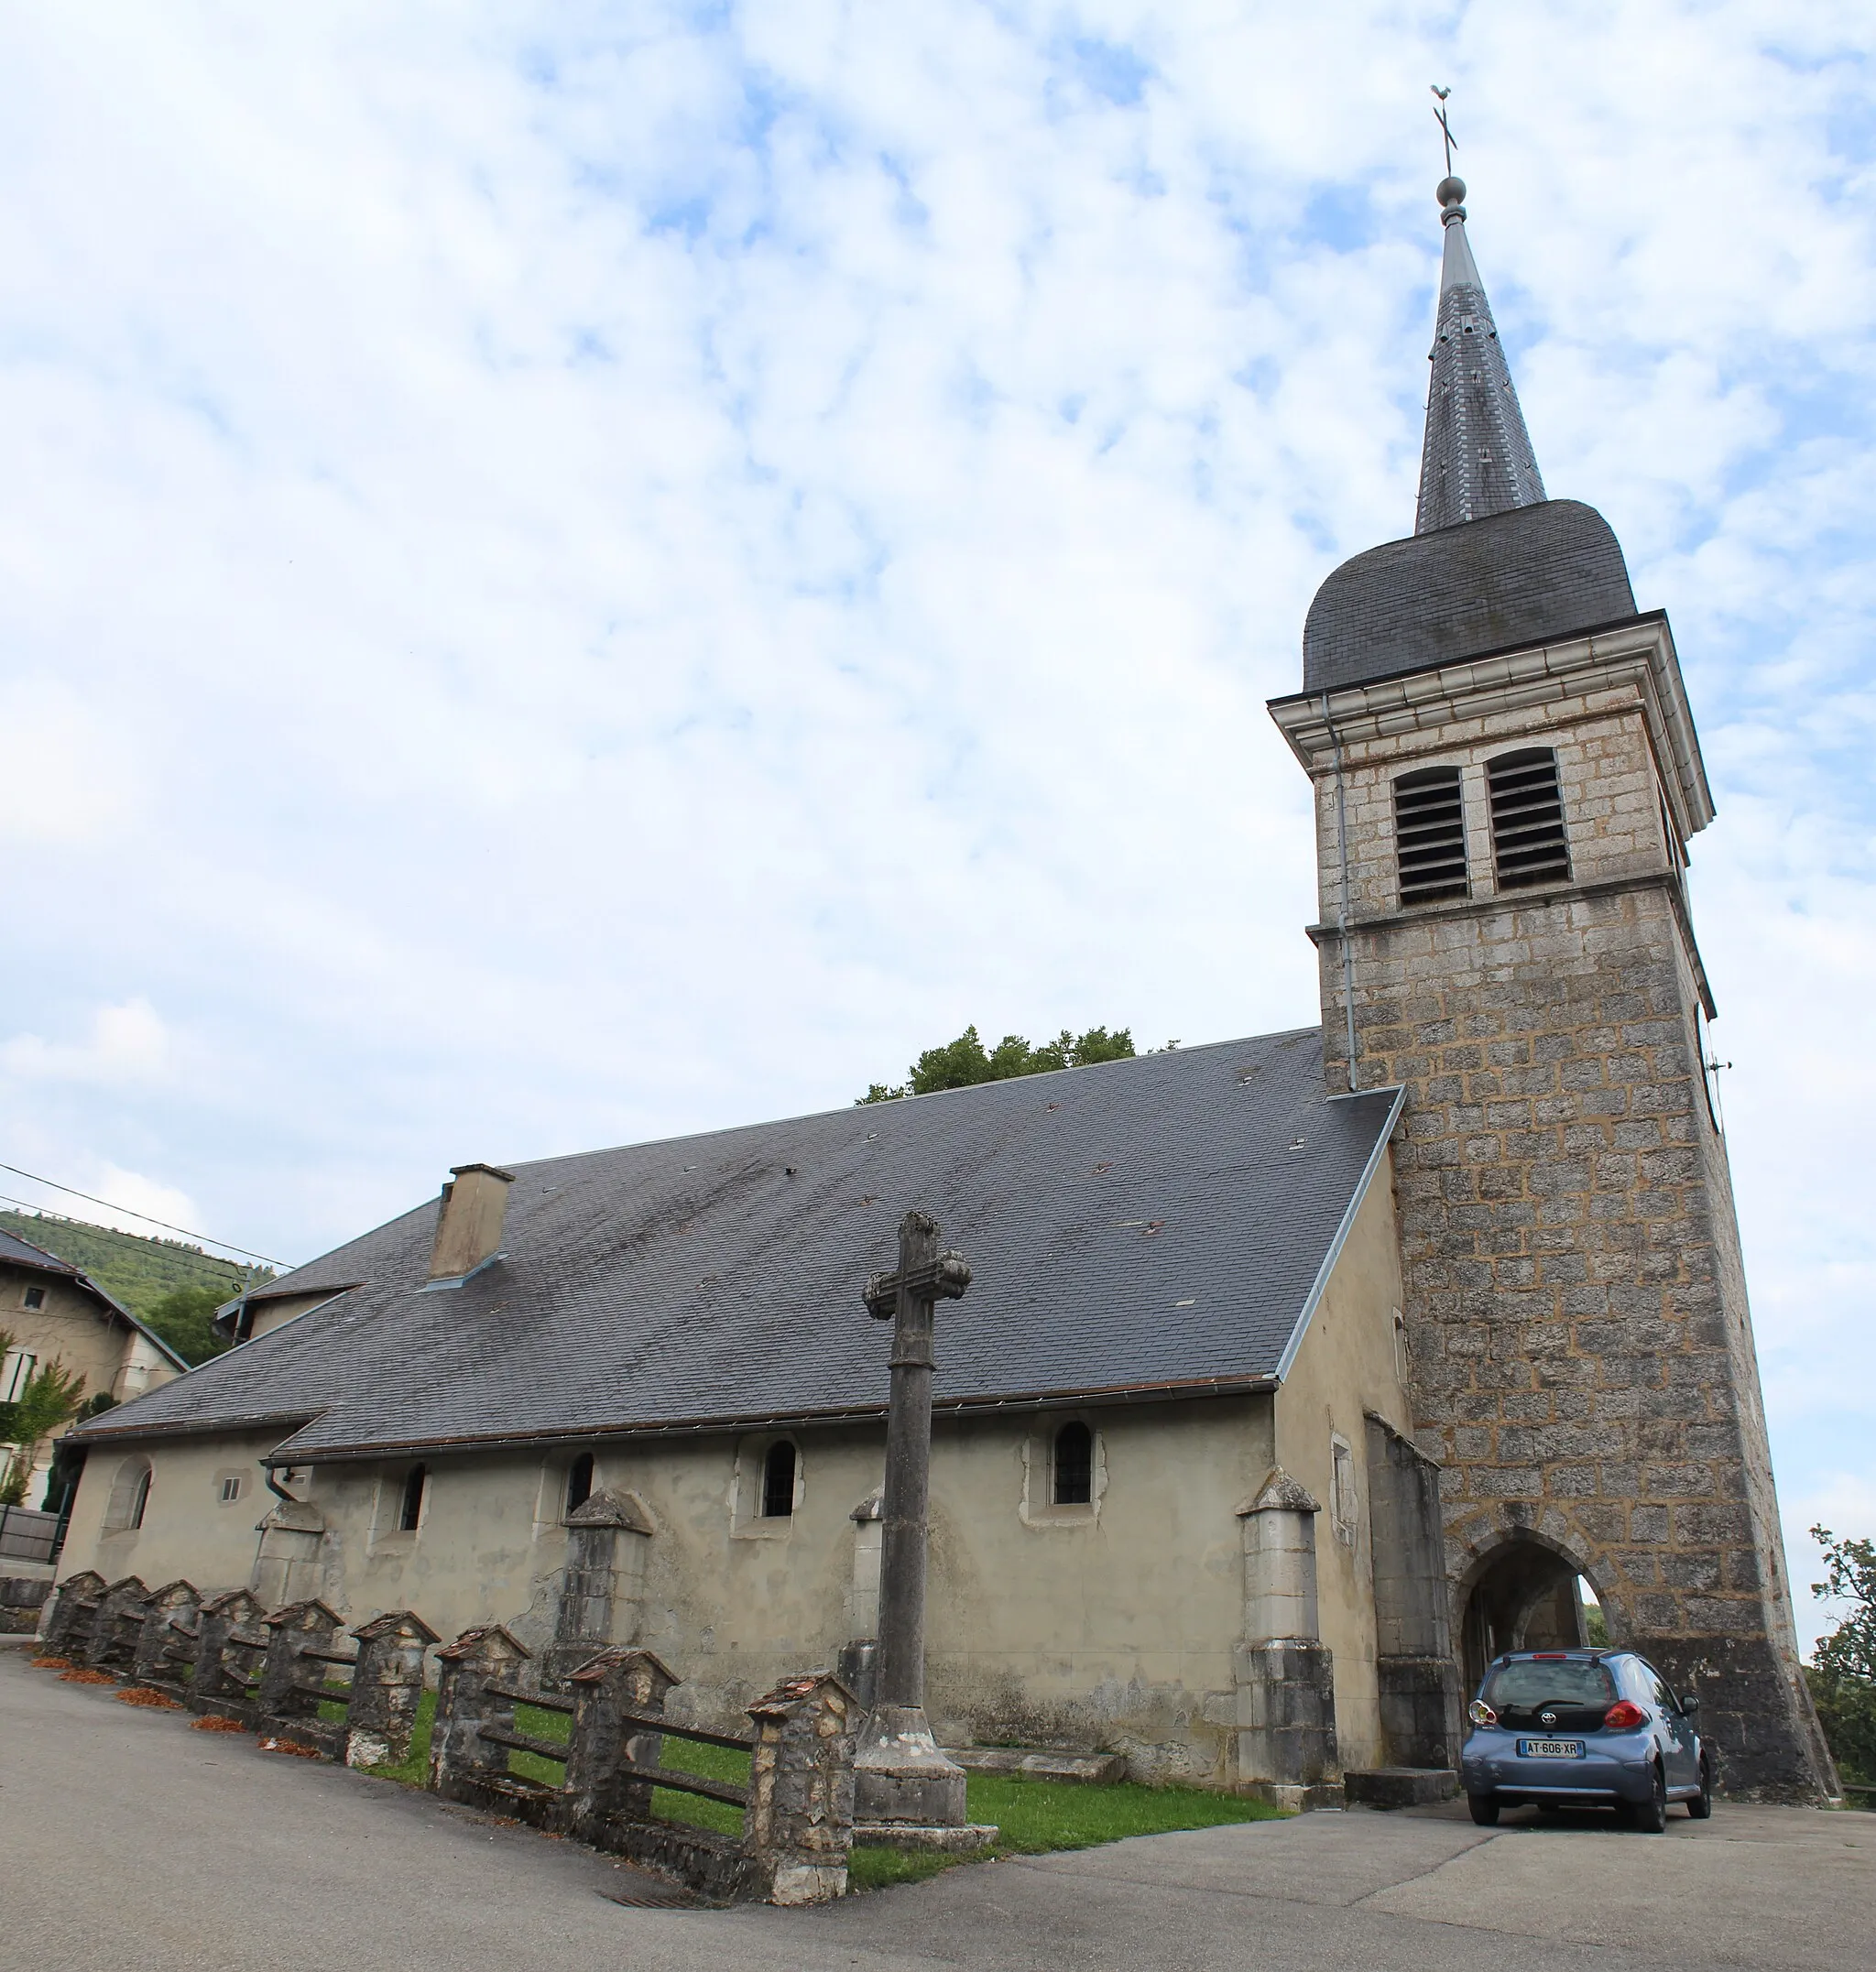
x=1300 y=1374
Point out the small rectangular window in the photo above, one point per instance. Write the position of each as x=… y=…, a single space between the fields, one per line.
x=1528 y=844
x=15 y=1374
x=1430 y=835
x=33 y=1297
x=231 y=1490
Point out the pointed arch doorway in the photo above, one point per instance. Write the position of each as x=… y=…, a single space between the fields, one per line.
x=1523 y=1596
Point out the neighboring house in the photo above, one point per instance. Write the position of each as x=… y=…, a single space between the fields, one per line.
x=1300 y=1374
x=55 y=1312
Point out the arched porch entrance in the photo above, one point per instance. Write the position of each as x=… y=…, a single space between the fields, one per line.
x=1524 y=1595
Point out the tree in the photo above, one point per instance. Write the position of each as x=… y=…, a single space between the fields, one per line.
x=965 y=1062
x=1842 y=1671
x=51 y=1396
x=184 y=1318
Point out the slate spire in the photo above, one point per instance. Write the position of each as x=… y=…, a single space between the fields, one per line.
x=1478 y=458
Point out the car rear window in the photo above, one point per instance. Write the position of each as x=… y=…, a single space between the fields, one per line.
x=1564 y=1681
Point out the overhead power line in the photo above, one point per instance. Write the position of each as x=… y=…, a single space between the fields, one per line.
x=131 y=1211
x=193 y=1258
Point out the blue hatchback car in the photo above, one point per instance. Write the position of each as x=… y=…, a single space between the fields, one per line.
x=1584 y=1728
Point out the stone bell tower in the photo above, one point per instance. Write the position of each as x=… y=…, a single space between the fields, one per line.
x=1506 y=776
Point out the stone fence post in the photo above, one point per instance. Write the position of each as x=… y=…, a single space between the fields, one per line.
x=800 y=1824
x=457 y=1753
x=66 y=1624
x=211 y=1680
x=283 y=1691
x=618 y=1681
x=386 y=1688
x=175 y=1600
x=109 y=1646
x=1284 y=1675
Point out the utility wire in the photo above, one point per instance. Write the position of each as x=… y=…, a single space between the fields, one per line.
x=195 y=1256
x=130 y=1212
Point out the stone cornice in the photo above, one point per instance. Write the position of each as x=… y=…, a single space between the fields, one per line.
x=1637 y=655
x=1535 y=898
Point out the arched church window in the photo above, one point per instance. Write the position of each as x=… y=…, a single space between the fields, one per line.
x=1528 y=843
x=579 y=1482
x=1073 y=1465
x=410 y=1508
x=1430 y=835
x=779 y=1481
x=130 y=1494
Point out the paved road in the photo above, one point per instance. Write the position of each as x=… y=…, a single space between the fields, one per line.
x=131 y=1844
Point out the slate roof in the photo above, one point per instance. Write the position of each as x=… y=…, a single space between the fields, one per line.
x=1533 y=575
x=17 y=1252
x=1154 y=1223
x=1477 y=458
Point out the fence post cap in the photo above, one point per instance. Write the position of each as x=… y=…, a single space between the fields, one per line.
x=394 y=1622
x=173 y=1594
x=625 y=1657
x=311 y=1614
x=795 y=1694
x=489 y=1642
x=239 y=1605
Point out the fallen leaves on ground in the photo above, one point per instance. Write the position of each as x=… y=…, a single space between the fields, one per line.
x=86 y=1677
x=289 y=1746
x=53 y=1663
x=142 y=1695
x=213 y=1722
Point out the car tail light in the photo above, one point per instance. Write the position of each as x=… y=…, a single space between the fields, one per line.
x=1623 y=1717
x=1481 y=1714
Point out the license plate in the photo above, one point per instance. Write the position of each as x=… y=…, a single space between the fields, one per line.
x=1549 y=1749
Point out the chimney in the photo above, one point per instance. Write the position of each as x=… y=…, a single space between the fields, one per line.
x=468 y=1222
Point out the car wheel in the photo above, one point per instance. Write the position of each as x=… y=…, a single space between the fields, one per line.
x=1700 y=1808
x=1485 y=1809
x=1651 y=1815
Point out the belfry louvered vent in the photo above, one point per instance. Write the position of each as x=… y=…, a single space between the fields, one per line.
x=1528 y=844
x=1430 y=835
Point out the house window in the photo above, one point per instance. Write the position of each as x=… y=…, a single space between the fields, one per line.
x=141 y=1498
x=33 y=1297
x=1528 y=844
x=16 y=1373
x=130 y=1494
x=411 y=1509
x=1072 y=1467
x=579 y=1482
x=779 y=1481
x=231 y=1488
x=1430 y=835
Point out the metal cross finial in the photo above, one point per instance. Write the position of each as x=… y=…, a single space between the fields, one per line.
x=1446 y=127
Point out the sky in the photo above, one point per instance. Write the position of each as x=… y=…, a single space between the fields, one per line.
x=576 y=574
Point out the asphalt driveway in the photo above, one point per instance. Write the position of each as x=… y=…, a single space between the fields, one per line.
x=131 y=1844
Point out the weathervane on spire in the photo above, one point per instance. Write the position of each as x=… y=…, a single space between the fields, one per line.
x=1445 y=128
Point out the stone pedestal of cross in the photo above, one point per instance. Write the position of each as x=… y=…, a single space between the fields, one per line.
x=902 y=1782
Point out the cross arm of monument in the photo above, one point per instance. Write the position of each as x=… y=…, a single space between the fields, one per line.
x=943 y=1279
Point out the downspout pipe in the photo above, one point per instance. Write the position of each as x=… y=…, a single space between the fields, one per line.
x=1342 y=905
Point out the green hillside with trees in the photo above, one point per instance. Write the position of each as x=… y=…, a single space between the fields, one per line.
x=172 y=1286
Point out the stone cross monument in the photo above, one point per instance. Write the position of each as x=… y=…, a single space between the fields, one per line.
x=901 y=1775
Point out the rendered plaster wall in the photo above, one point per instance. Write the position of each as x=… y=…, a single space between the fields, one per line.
x=1348 y=1364
x=188 y=1529
x=1109 y=1625
x=276 y=1311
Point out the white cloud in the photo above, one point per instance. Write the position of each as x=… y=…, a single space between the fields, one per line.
x=126 y=1044
x=571 y=578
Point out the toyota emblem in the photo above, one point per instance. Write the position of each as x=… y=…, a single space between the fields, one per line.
x=1546 y=1718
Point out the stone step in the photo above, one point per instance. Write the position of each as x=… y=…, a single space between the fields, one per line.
x=1399 y=1787
x=1041 y=1763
